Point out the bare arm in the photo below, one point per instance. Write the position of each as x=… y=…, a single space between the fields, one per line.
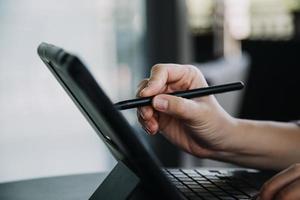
x=203 y=128
x=262 y=144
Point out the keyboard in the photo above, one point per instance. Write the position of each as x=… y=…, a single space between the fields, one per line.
x=211 y=184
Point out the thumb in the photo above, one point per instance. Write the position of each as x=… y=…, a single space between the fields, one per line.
x=179 y=107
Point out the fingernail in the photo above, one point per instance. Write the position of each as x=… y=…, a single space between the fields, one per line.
x=142 y=92
x=160 y=104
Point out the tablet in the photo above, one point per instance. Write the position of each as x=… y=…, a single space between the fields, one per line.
x=134 y=161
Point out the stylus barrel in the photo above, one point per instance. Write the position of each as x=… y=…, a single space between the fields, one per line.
x=200 y=92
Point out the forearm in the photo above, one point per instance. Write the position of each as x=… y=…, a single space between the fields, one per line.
x=262 y=144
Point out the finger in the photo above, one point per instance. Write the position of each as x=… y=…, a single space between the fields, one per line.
x=141 y=86
x=178 y=107
x=291 y=191
x=161 y=74
x=156 y=115
x=271 y=187
x=150 y=126
x=142 y=122
x=146 y=112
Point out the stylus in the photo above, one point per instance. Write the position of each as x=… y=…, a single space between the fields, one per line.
x=199 y=92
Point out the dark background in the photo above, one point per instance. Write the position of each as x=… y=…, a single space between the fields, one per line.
x=273 y=82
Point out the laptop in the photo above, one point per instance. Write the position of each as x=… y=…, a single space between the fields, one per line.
x=138 y=174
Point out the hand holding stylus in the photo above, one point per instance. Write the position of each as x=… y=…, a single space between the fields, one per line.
x=203 y=128
x=179 y=119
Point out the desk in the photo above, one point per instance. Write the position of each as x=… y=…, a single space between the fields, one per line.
x=54 y=188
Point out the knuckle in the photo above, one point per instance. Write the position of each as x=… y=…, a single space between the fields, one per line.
x=187 y=78
x=196 y=73
x=194 y=69
x=157 y=67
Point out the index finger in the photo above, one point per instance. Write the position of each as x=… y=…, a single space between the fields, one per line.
x=161 y=74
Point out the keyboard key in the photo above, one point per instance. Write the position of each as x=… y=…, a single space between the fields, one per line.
x=241 y=196
x=190 y=194
x=228 y=198
x=185 y=179
x=194 y=175
x=210 y=185
x=181 y=175
x=195 y=198
x=209 y=196
x=189 y=171
x=194 y=187
x=199 y=189
x=199 y=178
x=185 y=190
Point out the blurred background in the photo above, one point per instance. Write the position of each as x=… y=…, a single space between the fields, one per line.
x=43 y=134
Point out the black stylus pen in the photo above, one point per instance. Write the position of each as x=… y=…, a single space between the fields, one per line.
x=200 y=92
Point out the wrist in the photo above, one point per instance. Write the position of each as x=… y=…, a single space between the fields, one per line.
x=233 y=135
x=246 y=137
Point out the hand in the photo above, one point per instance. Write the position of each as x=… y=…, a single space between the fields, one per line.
x=285 y=185
x=199 y=126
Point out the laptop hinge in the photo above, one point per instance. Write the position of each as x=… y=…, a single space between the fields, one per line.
x=118 y=185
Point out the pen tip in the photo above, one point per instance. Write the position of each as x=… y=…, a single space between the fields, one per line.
x=242 y=84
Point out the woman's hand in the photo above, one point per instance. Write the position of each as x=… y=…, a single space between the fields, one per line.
x=199 y=126
x=283 y=186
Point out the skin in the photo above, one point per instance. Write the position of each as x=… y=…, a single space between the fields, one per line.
x=203 y=128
